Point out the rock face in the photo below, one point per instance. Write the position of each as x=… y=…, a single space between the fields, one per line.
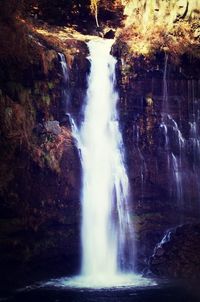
x=40 y=175
x=156 y=10
x=163 y=169
x=177 y=255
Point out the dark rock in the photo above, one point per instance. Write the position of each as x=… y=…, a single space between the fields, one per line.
x=157 y=205
x=181 y=257
x=159 y=252
x=109 y=34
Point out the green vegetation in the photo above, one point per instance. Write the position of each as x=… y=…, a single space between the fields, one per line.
x=170 y=26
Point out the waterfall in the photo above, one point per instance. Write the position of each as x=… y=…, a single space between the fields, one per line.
x=106 y=223
x=106 y=230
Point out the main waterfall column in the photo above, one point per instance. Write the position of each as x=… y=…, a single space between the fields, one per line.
x=107 y=231
x=105 y=216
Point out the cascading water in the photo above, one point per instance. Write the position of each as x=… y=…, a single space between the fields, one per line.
x=63 y=66
x=107 y=232
x=174 y=162
x=106 y=222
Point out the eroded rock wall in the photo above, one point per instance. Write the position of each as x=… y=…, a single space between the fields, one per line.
x=40 y=175
x=161 y=146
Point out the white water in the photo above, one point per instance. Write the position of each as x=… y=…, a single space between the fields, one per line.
x=64 y=66
x=106 y=222
x=174 y=162
x=107 y=231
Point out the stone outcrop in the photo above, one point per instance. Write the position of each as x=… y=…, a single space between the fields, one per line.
x=177 y=255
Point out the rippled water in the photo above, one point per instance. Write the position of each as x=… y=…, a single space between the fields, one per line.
x=100 y=282
x=161 y=293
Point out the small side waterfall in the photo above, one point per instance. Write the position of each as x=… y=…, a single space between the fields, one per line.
x=182 y=146
x=194 y=134
x=171 y=132
x=64 y=66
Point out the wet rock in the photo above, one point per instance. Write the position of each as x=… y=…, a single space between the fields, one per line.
x=180 y=257
x=155 y=191
x=159 y=252
x=110 y=34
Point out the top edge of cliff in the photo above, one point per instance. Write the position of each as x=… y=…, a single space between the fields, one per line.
x=140 y=27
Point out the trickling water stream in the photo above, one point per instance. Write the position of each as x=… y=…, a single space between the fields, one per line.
x=174 y=162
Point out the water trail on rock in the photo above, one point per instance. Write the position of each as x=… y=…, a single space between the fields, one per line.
x=173 y=137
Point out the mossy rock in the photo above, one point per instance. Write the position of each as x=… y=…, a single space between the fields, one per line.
x=46 y=100
x=51 y=85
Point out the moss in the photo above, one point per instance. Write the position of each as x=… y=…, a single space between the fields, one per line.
x=51 y=85
x=52 y=162
x=46 y=99
x=8 y=112
x=148 y=30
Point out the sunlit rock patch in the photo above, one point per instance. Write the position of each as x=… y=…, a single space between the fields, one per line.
x=152 y=26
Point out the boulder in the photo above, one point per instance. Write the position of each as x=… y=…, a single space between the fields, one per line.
x=53 y=127
x=178 y=254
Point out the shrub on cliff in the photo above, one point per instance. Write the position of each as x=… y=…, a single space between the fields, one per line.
x=152 y=26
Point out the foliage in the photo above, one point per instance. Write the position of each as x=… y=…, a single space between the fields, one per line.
x=161 y=25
